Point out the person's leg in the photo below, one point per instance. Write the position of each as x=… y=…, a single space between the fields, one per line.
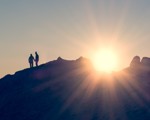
x=36 y=63
x=32 y=64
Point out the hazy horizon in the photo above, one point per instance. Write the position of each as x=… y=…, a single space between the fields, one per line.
x=71 y=29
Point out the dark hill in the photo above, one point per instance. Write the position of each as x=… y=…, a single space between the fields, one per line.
x=72 y=90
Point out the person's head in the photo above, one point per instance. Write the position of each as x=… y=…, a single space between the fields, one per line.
x=31 y=55
x=35 y=52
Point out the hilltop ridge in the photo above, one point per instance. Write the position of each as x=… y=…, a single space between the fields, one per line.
x=55 y=63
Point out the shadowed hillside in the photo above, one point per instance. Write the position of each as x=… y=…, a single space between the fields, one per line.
x=72 y=90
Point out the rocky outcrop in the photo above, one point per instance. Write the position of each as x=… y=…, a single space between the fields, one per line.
x=135 y=62
x=140 y=65
x=145 y=61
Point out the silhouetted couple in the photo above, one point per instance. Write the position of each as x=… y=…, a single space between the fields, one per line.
x=32 y=60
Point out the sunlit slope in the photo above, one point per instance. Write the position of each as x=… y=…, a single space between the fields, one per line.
x=73 y=90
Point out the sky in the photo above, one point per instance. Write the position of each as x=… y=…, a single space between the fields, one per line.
x=70 y=29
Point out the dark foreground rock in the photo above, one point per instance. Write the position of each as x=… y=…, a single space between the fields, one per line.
x=72 y=90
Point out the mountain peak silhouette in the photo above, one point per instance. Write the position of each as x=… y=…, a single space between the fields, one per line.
x=60 y=59
x=71 y=90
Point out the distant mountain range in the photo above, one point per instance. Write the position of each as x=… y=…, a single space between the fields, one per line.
x=73 y=90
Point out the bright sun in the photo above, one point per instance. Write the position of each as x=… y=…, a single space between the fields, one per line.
x=105 y=60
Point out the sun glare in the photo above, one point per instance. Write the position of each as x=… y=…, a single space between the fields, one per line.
x=105 y=60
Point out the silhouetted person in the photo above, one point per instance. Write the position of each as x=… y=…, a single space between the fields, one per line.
x=36 y=58
x=31 y=60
